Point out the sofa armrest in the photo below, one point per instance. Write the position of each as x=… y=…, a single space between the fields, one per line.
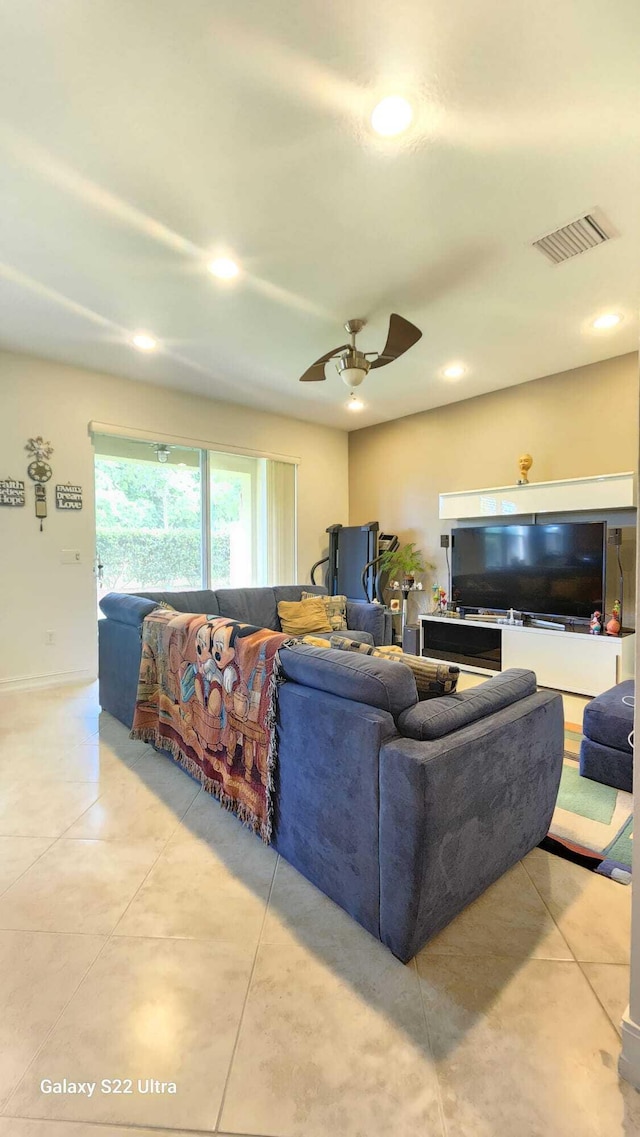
x=435 y=718
x=367 y=618
x=126 y=608
x=326 y=808
x=457 y=812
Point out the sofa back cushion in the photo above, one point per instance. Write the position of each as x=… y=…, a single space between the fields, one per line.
x=436 y=717
x=249 y=606
x=197 y=600
x=295 y=591
x=362 y=678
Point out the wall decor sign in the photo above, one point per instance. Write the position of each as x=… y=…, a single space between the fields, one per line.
x=11 y=492
x=68 y=496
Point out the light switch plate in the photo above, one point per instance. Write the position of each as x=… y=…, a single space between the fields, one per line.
x=71 y=557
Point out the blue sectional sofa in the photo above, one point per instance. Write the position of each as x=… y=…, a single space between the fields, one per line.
x=401 y=811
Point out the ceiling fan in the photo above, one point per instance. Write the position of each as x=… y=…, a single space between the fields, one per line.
x=353 y=365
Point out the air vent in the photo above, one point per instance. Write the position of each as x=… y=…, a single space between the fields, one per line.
x=577 y=237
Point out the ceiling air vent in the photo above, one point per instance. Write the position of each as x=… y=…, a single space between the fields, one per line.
x=576 y=237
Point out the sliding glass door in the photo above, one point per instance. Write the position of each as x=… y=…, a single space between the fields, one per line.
x=173 y=517
x=148 y=515
x=234 y=497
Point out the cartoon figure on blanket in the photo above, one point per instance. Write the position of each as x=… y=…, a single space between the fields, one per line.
x=214 y=681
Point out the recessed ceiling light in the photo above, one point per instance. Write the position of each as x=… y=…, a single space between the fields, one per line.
x=391 y=116
x=144 y=342
x=224 y=268
x=355 y=404
x=606 y=320
x=454 y=371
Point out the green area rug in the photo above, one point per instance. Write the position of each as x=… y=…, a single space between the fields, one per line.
x=592 y=823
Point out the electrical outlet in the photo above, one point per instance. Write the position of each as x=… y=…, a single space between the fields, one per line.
x=444 y=540
x=71 y=557
x=49 y=638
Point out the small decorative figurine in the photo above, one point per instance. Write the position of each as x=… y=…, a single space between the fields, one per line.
x=595 y=624
x=614 y=624
x=525 y=462
x=442 y=599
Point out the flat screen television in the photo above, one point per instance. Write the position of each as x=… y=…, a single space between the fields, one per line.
x=545 y=570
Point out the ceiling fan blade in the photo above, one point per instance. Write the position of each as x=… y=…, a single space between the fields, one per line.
x=402 y=335
x=315 y=373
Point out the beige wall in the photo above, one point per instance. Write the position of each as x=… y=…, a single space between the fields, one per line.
x=575 y=424
x=37 y=592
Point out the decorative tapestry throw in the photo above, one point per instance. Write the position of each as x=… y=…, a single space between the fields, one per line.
x=207 y=694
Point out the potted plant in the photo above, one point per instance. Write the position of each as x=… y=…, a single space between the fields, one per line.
x=404 y=564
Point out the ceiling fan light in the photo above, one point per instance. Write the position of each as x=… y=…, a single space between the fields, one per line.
x=391 y=116
x=224 y=268
x=352 y=376
x=606 y=321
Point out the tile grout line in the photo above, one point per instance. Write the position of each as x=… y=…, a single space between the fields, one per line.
x=52 y=842
x=112 y=933
x=574 y=958
x=53 y=1026
x=441 y=1113
x=246 y=1000
x=580 y=963
x=85 y=973
x=128 y=1127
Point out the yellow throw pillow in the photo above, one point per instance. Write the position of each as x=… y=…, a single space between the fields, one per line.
x=335 y=607
x=303 y=617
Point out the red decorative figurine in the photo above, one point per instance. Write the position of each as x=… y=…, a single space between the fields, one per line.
x=614 y=625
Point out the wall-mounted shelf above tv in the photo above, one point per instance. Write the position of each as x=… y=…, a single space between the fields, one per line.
x=599 y=493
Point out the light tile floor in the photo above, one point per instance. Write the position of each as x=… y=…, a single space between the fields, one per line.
x=145 y=934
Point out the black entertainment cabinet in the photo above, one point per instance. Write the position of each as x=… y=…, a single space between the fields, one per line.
x=566 y=659
x=463 y=642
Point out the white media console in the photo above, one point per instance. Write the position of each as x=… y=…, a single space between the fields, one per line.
x=565 y=660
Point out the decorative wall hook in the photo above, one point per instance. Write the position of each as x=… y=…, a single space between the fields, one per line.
x=39 y=471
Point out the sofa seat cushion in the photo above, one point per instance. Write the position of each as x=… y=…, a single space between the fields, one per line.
x=303 y=617
x=608 y=720
x=364 y=679
x=125 y=608
x=255 y=606
x=335 y=608
x=197 y=600
x=435 y=718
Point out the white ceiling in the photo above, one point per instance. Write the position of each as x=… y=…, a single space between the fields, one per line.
x=140 y=137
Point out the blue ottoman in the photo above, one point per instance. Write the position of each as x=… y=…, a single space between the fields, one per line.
x=605 y=753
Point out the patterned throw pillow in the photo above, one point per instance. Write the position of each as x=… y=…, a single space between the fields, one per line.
x=432 y=679
x=303 y=617
x=167 y=607
x=314 y=641
x=343 y=643
x=336 y=609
